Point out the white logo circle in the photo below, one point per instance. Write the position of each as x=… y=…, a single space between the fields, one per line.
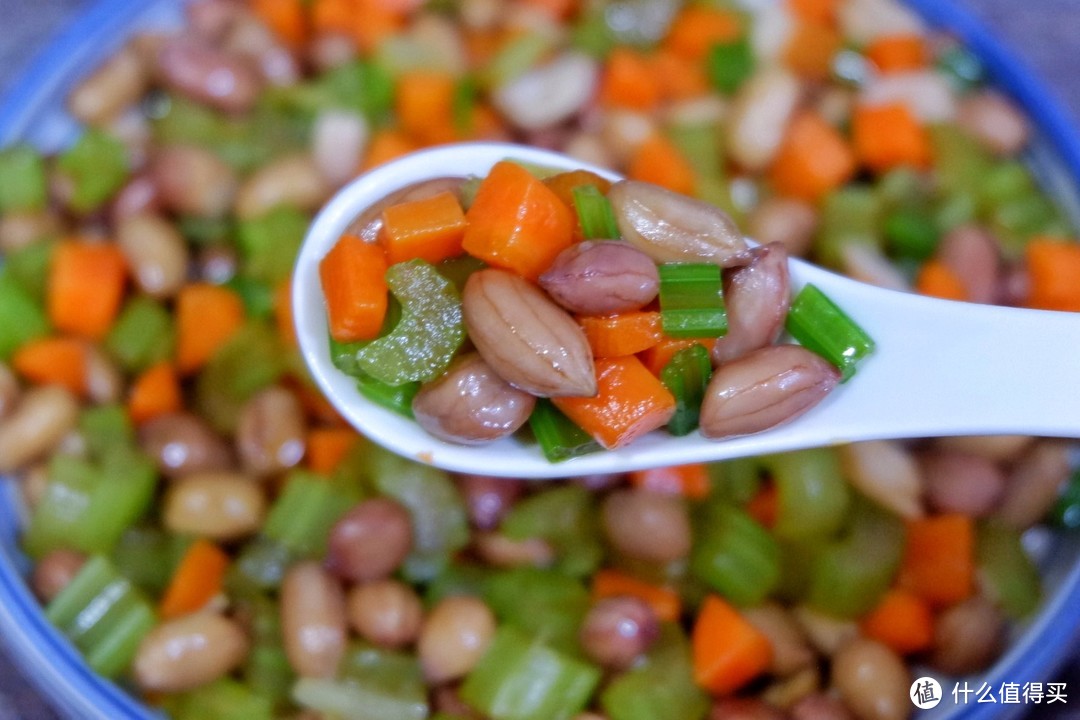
x=925 y=693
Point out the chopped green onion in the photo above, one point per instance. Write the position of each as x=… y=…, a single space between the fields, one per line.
x=559 y=438
x=142 y=335
x=97 y=165
x=692 y=300
x=813 y=496
x=1009 y=576
x=821 y=326
x=594 y=213
x=22 y=179
x=520 y=678
x=22 y=319
x=729 y=64
x=686 y=375
x=735 y=555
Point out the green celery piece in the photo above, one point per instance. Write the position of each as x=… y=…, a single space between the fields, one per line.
x=429 y=333
x=97 y=164
x=515 y=58
x=543 y=603
x=818 y=324
x=22 y=319
x=661 y=688
x=692 y=300
x=565 y=516
x=1010 y=577
x=259 y=566
x=902 y=187
x=850 y=215
x=458 y=578
x=393 y=397
x=729 y=64
x=29 y=267
x=458 y=269
x=813 y=497
x=952 y=210
x=1006 y=180
x=591 y=33
x=1066 y=511
x=960 y=162
x=207 y=231
x=702 y=145
x=594 y=213
x=105 y=429
x=362 y=85
x=103 y=614
x=519 y=678
x=1016 y=220
x=268 y=672
x=355 y=701
x=142 y=334
x=256 y=295
x=303 y=513
x=394 y=673
x=440 y=522
x=735 y=555
x=463 y=104
x=559 y=438
x=911 y=233
x=23 y=185
x=222 y=699
x=848 y=576
x=251 y=360
x=686 y=375
x=796 y=562
x=737 y=480
x=148 y=556
x=269 y=243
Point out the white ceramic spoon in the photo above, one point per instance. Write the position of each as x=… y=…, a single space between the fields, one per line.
x=940 y=368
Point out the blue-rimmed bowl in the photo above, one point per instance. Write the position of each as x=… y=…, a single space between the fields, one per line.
x=33 y=111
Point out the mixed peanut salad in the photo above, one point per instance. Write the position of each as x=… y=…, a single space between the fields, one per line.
x=207 y=532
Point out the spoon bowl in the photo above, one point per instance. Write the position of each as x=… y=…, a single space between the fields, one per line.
x=940 y=368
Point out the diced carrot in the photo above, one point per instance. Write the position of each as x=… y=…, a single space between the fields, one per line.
x=327 y=446
x=1053 y=267
x=813 y=159
x=196 y=580
x=630 y=401
x=660 y=354
x=353 y=276
x=679 y=78
x=624 y=334
x=657 y=160
x=283 y=315
x=939 y=559
x=898 y=53
x=431 y=229
x=563 y=184
x=155 y=392
x=810 y=50
x=287 y=18
x=516 y=222
x=822 y=12
x=764 y=506
x=937 y=279
x=85 y=287
x=629 y=80
x=664 y=601
x=697 y=28
x=690 y=480
x=557 y=9
x=206 y=317
x=367 y=22
x=424 y=104
x=887 y=136
x=902 y=620
x=728 y=651
x=387 y=144
x=56 y=360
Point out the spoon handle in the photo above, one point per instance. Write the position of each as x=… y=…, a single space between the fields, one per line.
x=953 y=368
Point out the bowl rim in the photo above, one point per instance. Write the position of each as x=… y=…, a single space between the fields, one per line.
x=52 y=664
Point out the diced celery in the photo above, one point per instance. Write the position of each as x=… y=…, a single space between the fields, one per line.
x=222 y=699
x=269 y=243
x=849 y=575
x=818 y=324
x=259 y=566
x=394 y=673
x=735 y=555
x=257 y=296
x=911 y=233
x=701 y=145
x=519 y=678
x=565 y=516
x=302 y=515
x=514 y=58
x=902 y=187
x=250 y=361
x=559 y=438
x=352 y=700
x=22 y=319
x=22 y=179
x=106 y=429
x=1004 y=181
x=692 y=300
x=97 y=166
x=737 y=480
x=459 y=578
x=428 y=334
x=729 y=64
x=594 y=213
x=142 y=334
x=544 y=604
x=361 y=85
x=148 y=556
x=960 y=162
x=661 y=688
x=850 y=215
x=463 y=105
x=29 y=267
x=1009 y=576
x=392 y=397
x=813 y=497
x=206 y=230
x=439 y=520
x=686 y=375
x=1016 y=220
x=952 y=210
x=103 y=615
